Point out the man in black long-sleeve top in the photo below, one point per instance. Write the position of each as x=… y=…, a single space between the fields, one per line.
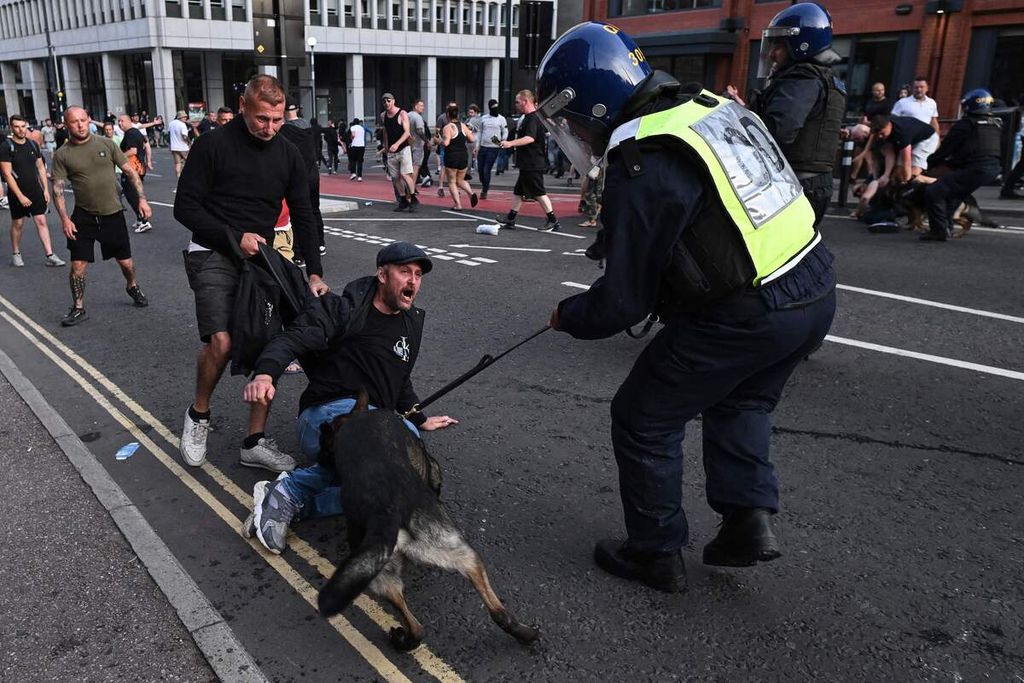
x=229 y=195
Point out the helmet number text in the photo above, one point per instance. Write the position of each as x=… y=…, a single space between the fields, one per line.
x=636 y=56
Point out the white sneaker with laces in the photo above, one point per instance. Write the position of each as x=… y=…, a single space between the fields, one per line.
x=54 y=261
x=265 y=454
x=193 y=440
x=144 y=226
x=17 y=261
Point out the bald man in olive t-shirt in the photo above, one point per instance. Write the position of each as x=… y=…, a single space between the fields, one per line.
x=88 y=162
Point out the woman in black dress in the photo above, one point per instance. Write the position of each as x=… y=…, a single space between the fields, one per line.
x=456 y=156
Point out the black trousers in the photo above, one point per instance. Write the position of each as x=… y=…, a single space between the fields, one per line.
x=946 y=194
x=332 y=158
x=729 y=365
x=355 y=160
x=131 y=195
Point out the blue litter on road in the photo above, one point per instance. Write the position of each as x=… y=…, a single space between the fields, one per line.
x=126 y=451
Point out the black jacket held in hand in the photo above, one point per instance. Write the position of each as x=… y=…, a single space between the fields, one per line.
x=233 y=183
x=271 y=292
x=318 y=337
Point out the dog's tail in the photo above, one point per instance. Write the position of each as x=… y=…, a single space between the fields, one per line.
x=357 y=571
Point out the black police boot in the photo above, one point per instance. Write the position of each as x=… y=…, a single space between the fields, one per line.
x=744 y=539
x=662 y=571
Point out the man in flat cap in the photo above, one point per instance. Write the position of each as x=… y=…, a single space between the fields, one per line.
x=369 y=338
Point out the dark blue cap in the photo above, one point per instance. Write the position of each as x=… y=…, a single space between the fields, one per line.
x=403 y=252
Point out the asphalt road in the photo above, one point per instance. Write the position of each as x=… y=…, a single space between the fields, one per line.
x=898 y=446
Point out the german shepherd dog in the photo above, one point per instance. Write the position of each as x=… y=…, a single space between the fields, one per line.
x=390 y=494
x=909 y=200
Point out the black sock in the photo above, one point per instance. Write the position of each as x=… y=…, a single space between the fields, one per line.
x=512 y=216
x=251 y=440
x=196 y=415
x=551 y=217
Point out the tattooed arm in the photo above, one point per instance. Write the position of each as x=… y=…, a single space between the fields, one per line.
x=136 y=182
x=62 y=209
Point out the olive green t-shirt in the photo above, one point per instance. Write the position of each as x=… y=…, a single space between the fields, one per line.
x=90 y=168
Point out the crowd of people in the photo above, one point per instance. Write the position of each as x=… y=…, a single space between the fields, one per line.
x=901 y=154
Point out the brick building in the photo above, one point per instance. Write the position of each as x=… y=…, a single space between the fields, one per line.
x=957 y=44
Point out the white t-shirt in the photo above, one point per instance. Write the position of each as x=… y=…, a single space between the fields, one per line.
x=922 y=110
x=179 y=135
x=358 y=136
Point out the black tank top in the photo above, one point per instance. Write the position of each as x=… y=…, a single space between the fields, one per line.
x=393 y=129
x=456 y=155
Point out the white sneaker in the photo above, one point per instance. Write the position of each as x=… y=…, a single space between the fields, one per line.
x=54 y=261
x=4 y=202
x=144 y=226
x=17 y=261
x=193 y=440
x=265 y=454
x=352 y=177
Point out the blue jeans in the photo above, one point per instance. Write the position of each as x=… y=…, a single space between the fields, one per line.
x=503 y=160
x=315 y=489
x=485 y=159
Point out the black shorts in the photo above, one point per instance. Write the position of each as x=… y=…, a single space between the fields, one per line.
x=110 y=231
x=530 y=185
x=213 y=279
x=38 y=207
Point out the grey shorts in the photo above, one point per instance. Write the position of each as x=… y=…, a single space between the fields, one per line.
x=400 y=162
x=213 y=279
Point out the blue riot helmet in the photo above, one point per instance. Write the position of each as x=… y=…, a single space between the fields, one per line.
x=977 y=101
x=799 y=33
x=584 y=84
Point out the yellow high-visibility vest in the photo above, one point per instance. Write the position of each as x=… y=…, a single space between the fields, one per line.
x=759 y=191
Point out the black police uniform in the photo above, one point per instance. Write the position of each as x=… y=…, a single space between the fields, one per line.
x=803 y=108
x=727 y=359
x=972 y=148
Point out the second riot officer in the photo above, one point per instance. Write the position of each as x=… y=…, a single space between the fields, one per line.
x=803 y=101
x=972 y=149
x=708 y=229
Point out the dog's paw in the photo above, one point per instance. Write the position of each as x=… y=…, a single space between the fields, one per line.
x=525 y=634
x=402 y=640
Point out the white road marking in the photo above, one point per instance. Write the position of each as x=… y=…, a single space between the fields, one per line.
x=434 y=252
x=1004 y=229
x=151 y=201
x=941 y=360
x=934 y=304
x=572 y=253
x=518 y=225
x=480 y=246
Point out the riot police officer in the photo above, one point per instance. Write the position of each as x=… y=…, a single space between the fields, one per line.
x=972 y=149
x=803 y=102
x=708 y=229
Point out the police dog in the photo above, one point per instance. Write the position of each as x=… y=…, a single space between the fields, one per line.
x=389 y=492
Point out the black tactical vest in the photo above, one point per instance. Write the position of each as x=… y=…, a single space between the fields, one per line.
x=814 y=150
x=986 y=138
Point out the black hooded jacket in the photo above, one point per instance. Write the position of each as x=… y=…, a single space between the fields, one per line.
x=320 y=336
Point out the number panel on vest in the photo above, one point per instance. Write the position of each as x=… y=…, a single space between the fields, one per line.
x=757 y=188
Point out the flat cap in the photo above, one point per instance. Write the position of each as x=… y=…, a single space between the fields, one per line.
x=402 y=252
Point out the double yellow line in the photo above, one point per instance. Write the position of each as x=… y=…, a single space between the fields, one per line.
x=32 y=331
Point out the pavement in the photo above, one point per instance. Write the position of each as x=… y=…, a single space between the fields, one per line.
x=898 y=445
x=77 y=601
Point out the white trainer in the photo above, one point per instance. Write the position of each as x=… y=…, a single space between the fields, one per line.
x=17 y=261
x=54 y=261
x=265 y=454
x=193 y=440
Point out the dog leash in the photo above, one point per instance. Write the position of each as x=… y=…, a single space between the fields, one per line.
x=485 y=362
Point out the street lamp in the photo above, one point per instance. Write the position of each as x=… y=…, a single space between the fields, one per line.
x=311 y=41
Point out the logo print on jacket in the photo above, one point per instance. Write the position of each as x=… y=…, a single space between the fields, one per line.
x=402 y=349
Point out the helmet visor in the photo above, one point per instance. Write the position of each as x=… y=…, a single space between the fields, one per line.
x=771 y=38
x=578 y=150
x=583 y=157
